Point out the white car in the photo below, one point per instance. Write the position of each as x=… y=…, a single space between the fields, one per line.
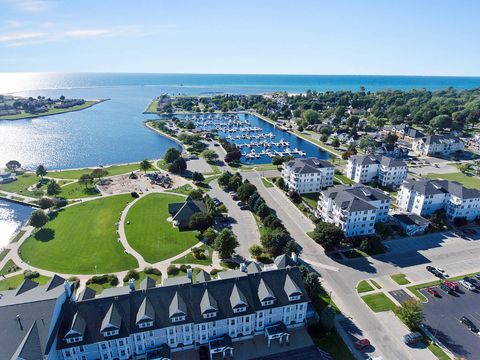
x=439 y=269
x=467 y=285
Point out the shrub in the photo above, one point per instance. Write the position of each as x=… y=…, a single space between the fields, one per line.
x=134 y=194
x=183 y=268
x=31 y=274
x=131 y=274
x=46 y=202
x=113 y=280
x=154 y=271
x=214 y=272
x=172 y=270
x=60 y=202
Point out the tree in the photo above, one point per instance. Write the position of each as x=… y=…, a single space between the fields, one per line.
x=372 y=245
x=281 y=183
x=411 y=313
x=274 y=241
x=263 y=211
x=391 y=138
x=99 y=173
x=209 y=235
x=196 y=194
x=291 y=247
x=441 y=122
x=246 y=190
x=224 y=179
x=13 y=165
x=145 y=165
x=366 y=143
x=53 y=188
x=255 y=250
x=234 y=182
x=225 y=243
x=272 y=221
x=85 y=179
x=46 y=202
x=178 y=166
x=464 y=167
x=312 y=285
x=200 y=221
x=328 y=318
x=311 y=116
x=41 y=171
x=324 y=138
x=328 y=235
x=38 y=218
x=210 y=155
x=171 y=155
x=335 y=142
x=197 y=177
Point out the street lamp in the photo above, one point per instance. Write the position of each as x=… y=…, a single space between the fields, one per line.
x=436 y=329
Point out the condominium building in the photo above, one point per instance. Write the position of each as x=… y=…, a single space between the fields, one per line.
x=437 y=144
x=364 y=168
x=308 y=175
x=425 y=196
x=154 y=321
x=355 y=209
x=403 y=131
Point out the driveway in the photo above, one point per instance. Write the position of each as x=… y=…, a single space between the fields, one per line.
x=243 y=225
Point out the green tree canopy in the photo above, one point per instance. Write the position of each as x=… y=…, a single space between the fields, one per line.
x=225 y=243
x=38 y=218
x=328 y=235
x=41 y=171
x=171 y=155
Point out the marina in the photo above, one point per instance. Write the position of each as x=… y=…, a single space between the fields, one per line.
x=258 y=140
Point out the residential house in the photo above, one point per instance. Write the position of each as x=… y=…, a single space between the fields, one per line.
x=404 y=132
x=425 y=196
x=437 y=145
x=7 y=177
x=363 y=169
x=411 y=224
x=308 y=175
x=354 y=209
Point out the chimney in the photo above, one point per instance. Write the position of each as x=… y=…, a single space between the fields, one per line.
x=68 y=289
x=294 y=257
x=243 y=267
x=189 y=273
x=131 y=284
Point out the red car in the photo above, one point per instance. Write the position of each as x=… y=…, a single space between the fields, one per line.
x=451 y=284
x=362 y=344
x=433 y=292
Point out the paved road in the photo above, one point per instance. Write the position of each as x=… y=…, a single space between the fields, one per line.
x=244 y=225
x=341 y=278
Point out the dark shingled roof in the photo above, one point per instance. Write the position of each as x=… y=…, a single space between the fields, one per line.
x=146 y=312
x=355 y=197
x=282 y=261
x=185 y=212
x=411 y=219
x=434 y=187
x=308 y=165
x=147 y=283
x=203 y=276
x=112 y=319
x=376 y=159
x=31 y=347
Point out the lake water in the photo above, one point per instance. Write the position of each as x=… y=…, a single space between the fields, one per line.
x=12 y=217
x=113 y=131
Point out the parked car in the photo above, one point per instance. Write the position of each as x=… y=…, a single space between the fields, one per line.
x=441 y=271
x=216 y=144
x=451 y=284
x=446 y=289
x=469 y=324
x=244 y=207
x=193 y=157
x=433 y=292
x=362 y=344
x=216 y=201
x=412 y=338
x=477 y=276
x=240 y=203
x=472 y=281
x=435 y=272
x=467 y=285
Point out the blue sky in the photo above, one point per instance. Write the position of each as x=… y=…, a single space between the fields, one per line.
x=387 y=37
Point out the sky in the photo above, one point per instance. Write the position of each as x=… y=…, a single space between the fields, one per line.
x=361 y=37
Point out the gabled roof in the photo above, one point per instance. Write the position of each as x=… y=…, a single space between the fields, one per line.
x=264 y=292
x=308 y=165
x=177 y=306
x=429 y=187
x=282 y=261
x=26 y=286
x=411 y=219
x=203 y=276
x=363 y=160
x=146 y=311
x=112 y=319
x=78 y=326
x=355 y=198
x=237 y=298
x=87 y=293
x=30 y=348
x=54 y=282
x=253 y=268
x=208 y=303
x=291 y=289
x=439 y=139
x=147 y=283
x=188 y=209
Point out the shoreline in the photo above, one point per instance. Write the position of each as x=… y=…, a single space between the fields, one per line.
x=146 y=123
x=36 y=116
x=20 y=202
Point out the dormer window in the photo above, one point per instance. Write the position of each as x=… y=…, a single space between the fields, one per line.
x=145 y=324
x=240 y=309
x=110 y=333
x=267 y=302
x=209 y=315
x=74 y=339
x=294 y=297
x=178 y=318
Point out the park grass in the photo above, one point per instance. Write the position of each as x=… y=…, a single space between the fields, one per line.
x=152 y=107
x=471 y=182
x=18 y=236
x=364 y=286
x=355 y=254
x=76 y=190
x=400 y=279
x=332 y=343
x=75 y=174
x=190 y=259
x=379 y=302
x=437 y=351
x=52 y=111
x=142 y=275
x=79 y=238
x=3 y=253
x=21 y=185
x=9 y=265
x=184 y=189
x=377 y=285
x=151 y=234
x=266 y=183
x=15 y=281
x=311 y=199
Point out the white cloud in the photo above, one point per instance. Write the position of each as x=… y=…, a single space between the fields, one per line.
x=87 y=33
x=30 y=5
x=20 y=36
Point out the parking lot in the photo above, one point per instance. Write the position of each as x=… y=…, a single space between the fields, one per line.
x=442 y=318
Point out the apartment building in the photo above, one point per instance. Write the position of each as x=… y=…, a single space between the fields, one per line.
x=403 y=132
x=308 y=175
x=355 y=209
x=437 y=145
x=154 y=321
x=363 y=169
x=425 y=196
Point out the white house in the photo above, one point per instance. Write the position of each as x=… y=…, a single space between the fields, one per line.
x=364 y=168
x=154 y=321
x=424 y=196
x=437 y=144
x=7 y=177
x=355 y=209
x=412 y=224
x=308 y=175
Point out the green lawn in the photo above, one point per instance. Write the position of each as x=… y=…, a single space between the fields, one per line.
x=21 y=185
x=364 y=286
x=437 y=351
x=51 y=111
x=190 y=259
x=15 y=281
x=99 y=287
x=379 y=302
x=3 y=253
x=152 y=107
x=343 y=179
x=142 y=275
x=81 y=237
x=75 y=174
x=184 y=189
x=10 y=265
x=377 y=285
x=18 y=236
x=400 y=279
x=151 y=234
x=76 y=190
x=311 y=199
x=333 y=344
x=266 y=183
x=468 y=181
